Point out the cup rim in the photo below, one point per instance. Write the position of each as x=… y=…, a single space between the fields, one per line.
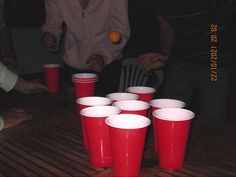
x=99 y=111
x=52 y=65
x=141 y=89
x=84 y=76
x=128 y=121
x=127 y=105
x=93 y=101
x=163 y=101
x=173 y=114
x=120 y=95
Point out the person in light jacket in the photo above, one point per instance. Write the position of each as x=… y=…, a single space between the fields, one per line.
x=87 y=27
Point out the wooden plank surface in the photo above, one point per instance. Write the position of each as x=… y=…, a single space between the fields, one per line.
x=51 y=144
x=54 y=152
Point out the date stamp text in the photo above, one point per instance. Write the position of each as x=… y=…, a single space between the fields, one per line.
x=213 y=52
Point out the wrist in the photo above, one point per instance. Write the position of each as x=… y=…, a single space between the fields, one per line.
x=164 y=58
x=102 y=58
x=20 y=84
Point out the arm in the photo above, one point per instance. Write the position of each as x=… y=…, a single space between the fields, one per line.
x=12 y=117
x=9 y=81
x=52 y=28
x=167 y=36
x=1 y=123
x=152 y=61
x=119 y=23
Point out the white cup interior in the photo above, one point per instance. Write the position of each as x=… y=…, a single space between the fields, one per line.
x=132 y=105
x=127 y=121
x=173 y=114
x=167 y=103
x=99 y=111
x=94 y=101
x=141 y=89
x=84 y=76
x=122 y=96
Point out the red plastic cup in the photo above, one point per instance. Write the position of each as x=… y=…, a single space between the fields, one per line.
x=121 y=96
x=145 y=93
x=88 y=102
x=98 y=133
x=92 y=101
x=84 y=84
x=166 y=103
x=127 y=133
x=162 y=103
x=84 y=89
x=132 y=107
x=172 y=134
x=52 y=77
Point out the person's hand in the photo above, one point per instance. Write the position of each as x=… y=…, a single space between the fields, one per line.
x=12 y=64
x=49 y=40
x=14 y=117
x=28 y=87
x=152 y=61
x=96 y=62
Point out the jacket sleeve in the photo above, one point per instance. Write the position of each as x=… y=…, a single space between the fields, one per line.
x=53 y=19
x=119 y=23
x=1 y=123
x=7 y=78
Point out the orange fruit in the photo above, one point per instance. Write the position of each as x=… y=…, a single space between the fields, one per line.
x=114 y=36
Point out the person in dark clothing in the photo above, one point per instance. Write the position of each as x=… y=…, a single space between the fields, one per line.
x=202 y=54
x=151 y=37
x=151 y=41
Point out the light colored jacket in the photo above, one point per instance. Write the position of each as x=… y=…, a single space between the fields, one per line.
x=88 y=29
x=7 y=82
x=7 y=78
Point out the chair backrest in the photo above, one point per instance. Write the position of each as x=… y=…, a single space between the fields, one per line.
x=132 y=75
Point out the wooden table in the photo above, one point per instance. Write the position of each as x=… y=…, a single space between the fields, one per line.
x=51 y=144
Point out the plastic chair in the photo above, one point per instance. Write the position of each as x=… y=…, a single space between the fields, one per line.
x=132 y=75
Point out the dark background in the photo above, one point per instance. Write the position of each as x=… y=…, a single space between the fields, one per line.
x=25 y=13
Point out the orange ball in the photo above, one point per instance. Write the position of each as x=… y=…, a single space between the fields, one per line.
x=114 y=37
